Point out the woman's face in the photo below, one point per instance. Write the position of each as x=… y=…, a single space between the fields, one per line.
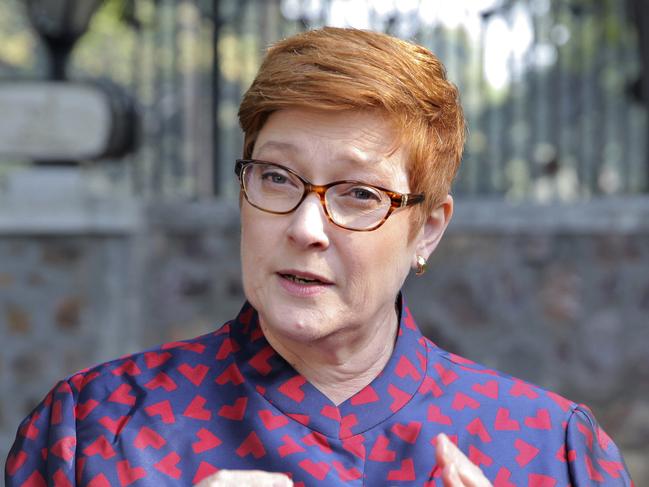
x=356 y=275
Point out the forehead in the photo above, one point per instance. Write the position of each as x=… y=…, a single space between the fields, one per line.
x=325 y=145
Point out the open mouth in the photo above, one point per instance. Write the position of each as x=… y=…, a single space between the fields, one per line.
x=303 y=280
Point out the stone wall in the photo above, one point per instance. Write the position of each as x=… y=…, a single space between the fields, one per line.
x=555 y=295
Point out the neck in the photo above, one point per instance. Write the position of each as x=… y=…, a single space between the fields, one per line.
x=342 y=364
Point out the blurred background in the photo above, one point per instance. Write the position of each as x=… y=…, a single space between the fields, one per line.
x=118 y=202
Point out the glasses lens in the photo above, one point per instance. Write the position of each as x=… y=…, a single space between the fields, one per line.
x=272 y=188
x=356 y=206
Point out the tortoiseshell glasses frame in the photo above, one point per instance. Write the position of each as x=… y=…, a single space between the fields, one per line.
x=388 y=200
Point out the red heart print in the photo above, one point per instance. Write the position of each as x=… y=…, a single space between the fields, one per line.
x=429 y=385
x=227 y=347
x=289 y=446
x=230 y=374
x=478 y=457
x=148 y=437
x=365 y=396
x=526 y=452
x=207 y=441
x=319 y=470
x=592 y=471
x=489 y=389
x=155 y=359
x=380 y=452
x=115 y=426
x=15 y=461
x=354 y=445
x=29 y=430
x=405 y=474
x=541 y=421
x=405 y=367
x=236 y=411
x=291 y=388
x=316 y=439
x=260 y=361
x=162 y=409
x=64 y=448
x=161 y=380
x=121 y=395
x=399 y=398
x=196 y=409
x=502 y=478
x=612 y=468
x=408 y=432
x=477 y=427
x=101 y=447
x=462 y=401
x=446 y=375
x=538 y=480
x=272 y=422
x=99 y=480
x=347 y=474
x=82 y=410
x=35 y=480
x=521 y=388
x=435 y=415
x=204 y=470
x=331 y=412
x=504 y=422
x=195 y=375
x=251 y=445
x=346 y=425
x=127 y=474
x=127 y=367
x=169 y=465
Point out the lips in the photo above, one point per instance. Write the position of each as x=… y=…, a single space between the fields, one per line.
x=304 y=278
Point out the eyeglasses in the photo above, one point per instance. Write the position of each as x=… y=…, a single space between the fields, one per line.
x=353 y=205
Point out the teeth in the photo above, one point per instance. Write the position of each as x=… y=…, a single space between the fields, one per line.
x=299 y=280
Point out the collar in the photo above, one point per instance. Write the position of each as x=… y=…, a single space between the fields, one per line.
x=291 y=393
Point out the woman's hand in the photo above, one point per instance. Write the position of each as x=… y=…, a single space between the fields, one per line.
x=246 y=478
x=457 y=470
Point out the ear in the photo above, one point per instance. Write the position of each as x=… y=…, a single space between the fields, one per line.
x=433 y=229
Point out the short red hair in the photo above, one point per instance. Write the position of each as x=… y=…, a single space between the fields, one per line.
x=338 y=69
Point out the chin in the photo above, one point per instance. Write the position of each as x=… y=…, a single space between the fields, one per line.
x=300 y=325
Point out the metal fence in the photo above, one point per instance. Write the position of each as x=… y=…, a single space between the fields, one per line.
x=548 y=87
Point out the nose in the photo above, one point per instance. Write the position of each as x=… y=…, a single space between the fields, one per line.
x=308 y=227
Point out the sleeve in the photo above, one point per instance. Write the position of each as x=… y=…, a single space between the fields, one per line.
x=44 y=450
x=592 y=457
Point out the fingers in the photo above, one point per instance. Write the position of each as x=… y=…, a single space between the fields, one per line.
x=457 y=469
x=246 y=478
x=450 y=476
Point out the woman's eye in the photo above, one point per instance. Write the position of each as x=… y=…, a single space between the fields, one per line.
x=274 y=177
x=362 y=193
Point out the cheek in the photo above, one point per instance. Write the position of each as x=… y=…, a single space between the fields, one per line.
x=253 y=252
x=382 y=265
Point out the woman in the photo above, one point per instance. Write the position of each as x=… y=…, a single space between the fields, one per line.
x=352 y=139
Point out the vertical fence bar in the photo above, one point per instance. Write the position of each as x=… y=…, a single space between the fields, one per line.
x=598 y=94
x=216 y=97
x=553 y=168
x=179 y=167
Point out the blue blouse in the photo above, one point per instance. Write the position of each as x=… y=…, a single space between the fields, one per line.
x=176 y=414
